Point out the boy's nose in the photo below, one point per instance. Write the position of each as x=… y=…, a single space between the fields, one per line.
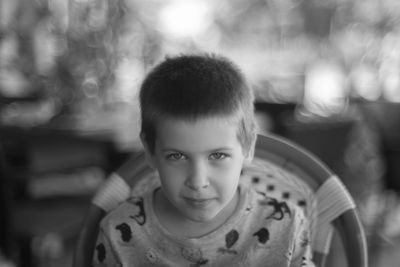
x=198 y=177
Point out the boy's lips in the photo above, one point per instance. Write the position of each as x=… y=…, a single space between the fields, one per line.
x=198 y=202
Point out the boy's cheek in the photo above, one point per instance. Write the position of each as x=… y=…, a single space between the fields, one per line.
x=170 y=170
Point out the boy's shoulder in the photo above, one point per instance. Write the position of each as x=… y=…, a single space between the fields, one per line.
x=278 y=186
x=134 y=209
x=130 y=212
x=269 y=208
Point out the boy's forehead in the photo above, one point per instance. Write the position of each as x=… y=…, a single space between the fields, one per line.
x=201 y=133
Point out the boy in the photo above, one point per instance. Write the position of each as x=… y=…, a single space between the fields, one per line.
x=198 y=131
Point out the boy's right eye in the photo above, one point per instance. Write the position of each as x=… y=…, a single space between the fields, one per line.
x=176 y=156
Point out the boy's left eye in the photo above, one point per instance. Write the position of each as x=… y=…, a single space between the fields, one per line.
x=176 y=156
x=218 y=156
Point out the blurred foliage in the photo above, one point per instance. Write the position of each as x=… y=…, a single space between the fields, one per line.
x=80 y=55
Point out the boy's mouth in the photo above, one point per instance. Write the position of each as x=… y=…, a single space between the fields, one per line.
x=198 y=202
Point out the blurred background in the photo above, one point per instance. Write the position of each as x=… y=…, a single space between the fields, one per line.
x=326 y=74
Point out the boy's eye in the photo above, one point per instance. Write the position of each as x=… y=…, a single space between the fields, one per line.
x=218 y=156
x=176 y=156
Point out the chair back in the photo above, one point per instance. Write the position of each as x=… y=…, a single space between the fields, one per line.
x=285 y=170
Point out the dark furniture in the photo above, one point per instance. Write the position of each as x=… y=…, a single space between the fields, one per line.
x=47 y=177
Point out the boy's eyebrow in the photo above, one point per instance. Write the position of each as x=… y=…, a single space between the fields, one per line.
x=167 y=149
x=170 y=149
x=222 y=148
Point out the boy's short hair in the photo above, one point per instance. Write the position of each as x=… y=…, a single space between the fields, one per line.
x=191 y=87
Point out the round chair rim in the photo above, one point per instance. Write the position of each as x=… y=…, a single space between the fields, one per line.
x=348 y=223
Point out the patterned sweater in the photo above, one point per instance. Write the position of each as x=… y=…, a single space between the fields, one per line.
x=262 y=232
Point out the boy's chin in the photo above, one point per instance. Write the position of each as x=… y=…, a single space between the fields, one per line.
x=206 y=217
x=201 y=218
x=200 y=215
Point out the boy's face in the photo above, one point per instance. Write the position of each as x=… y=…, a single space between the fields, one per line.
x=199 y=164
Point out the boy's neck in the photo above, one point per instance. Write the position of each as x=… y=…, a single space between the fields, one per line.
x=182 y=227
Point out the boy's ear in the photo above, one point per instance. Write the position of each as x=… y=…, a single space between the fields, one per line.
x=148 y=154
x=251 y=151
